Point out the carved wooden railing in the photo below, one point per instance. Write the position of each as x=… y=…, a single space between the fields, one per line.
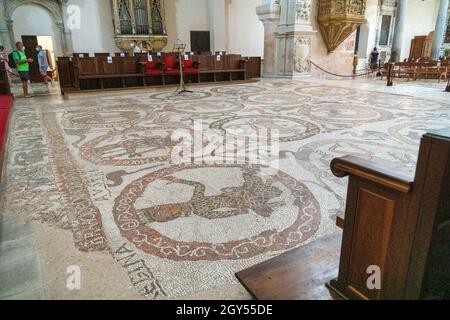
x=396 y=239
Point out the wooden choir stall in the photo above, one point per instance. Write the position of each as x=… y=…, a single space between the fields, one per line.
x=396 y=227
x=4 y=81
x=103 y=71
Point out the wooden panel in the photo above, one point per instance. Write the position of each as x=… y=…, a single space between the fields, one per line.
x=200 y=41
x=108 y=68
x=402 y=227
x=233 y=61
x=65 y=71
x=370 y=239
x=87 y=66
x=417 y=45
x=129 y=65
x=219 y=64
x=299 y=274
x=30 y=43
x=101 y=54
x=202 y=60
x=253 y=67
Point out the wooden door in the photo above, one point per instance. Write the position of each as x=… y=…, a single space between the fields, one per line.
x=200 y=41
x=30 y=43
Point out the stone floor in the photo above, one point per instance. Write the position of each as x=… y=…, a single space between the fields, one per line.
x=90 y=182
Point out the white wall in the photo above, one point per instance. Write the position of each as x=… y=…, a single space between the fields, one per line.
x=184 y=16
x=233 y=24
x=246 y=31
x=34 y=20
x=372 y=22
x=420 y=20
x=96 y=33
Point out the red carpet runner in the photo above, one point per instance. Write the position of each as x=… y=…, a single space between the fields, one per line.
x=6 y=102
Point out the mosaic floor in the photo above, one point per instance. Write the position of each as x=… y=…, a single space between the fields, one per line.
x=99 y=166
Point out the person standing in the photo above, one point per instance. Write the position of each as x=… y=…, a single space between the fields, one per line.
x=23 y=66
x=5 y=61
x=374 y=58
x=135 y=46
x=43 y=64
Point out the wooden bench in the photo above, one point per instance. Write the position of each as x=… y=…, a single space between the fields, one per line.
x=405 y=70
x=420 y=70
x=103 y=71
x=399 y=224
x=394 y=223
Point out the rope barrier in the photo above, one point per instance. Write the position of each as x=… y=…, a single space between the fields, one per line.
x=343 y=76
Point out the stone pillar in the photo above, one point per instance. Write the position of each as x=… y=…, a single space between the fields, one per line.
x=294 y=39
x=440 y=29
x=12 y=37
x=65 y=37
x=65 y=31
x=399 y=30
x=269 y=14
x=303 y=32
x=5 y=38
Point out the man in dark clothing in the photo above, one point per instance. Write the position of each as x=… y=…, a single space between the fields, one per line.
x=374 y=58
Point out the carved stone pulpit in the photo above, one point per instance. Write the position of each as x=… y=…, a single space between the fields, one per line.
x=338 y=19
x=142 y=21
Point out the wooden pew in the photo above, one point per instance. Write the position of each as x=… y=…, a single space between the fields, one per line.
x=444 y=71
x=104 y=71
x=393 y=221
x=66 y=73
x=422 y=69
x=428 y=69
x=405 y=70
x=398 y=223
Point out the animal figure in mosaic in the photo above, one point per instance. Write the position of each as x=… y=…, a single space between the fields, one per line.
x=134 y=143
x=254 y=194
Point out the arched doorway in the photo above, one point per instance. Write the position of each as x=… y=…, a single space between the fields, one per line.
x=34 y=24
x=42 y=18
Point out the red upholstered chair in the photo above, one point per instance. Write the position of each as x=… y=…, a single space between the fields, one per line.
x=154 y=68
x=190 y=67
x=170 y=64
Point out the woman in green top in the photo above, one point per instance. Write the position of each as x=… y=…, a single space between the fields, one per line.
x=23 y=66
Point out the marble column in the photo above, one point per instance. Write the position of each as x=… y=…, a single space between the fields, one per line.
x=399 y=30
x=440 y=29
x=66 y=33
x=294 y=39
x=5 y=38
x=12 y=37
x=269 y=14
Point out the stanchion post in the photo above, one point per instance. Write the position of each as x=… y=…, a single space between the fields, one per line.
x=390 y=81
